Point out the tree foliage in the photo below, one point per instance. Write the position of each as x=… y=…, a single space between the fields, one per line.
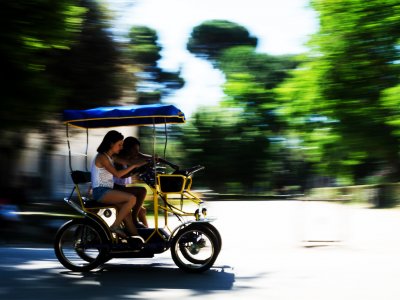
x=143 y=45
x=153 y=82
x=218 y=139
x=54 y=55
x=239 y=141
x=30 y=32
x=211 y=37
x=335 y=98
x=90 y=72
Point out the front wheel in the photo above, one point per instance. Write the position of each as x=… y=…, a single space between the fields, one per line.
x=80 y=245
x=216 y=233
x=195 y=248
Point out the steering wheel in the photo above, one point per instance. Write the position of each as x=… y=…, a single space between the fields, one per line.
x=148 y=171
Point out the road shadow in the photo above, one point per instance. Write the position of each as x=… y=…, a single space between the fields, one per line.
x=44 y=278
x=136 y=278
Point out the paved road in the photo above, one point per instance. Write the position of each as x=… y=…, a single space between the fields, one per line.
x=271 y=250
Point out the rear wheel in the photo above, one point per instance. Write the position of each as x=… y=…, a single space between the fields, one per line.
x=195 y=248
x=80 y=245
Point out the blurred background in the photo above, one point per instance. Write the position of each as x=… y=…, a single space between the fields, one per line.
x=323 y=122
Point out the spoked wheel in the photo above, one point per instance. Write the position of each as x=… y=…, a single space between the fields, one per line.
x=198 y=260
x=216 y=233
x=80 y=245
x=195 y=248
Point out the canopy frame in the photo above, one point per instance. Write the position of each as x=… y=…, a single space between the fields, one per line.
x=117 y=116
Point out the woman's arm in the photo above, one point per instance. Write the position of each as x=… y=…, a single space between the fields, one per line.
x=104 y=162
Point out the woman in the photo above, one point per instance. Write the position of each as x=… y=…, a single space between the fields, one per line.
x=103 y=171
x=131 y=155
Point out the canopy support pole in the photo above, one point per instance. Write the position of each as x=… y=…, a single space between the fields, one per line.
x=154 y=150
x=69 y=148
x=86 y=151
x=166 y=138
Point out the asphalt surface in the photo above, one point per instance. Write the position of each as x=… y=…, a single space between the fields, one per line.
x=271 y=250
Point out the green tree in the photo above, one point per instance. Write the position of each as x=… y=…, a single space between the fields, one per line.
x=90 y=72
x=241 y=142
x=54 y=54
x=153 y=83
x=251 y=78
x=143 y=45
x=335 y=97
x=215 y=139
x=211 y=37
x=30 y=32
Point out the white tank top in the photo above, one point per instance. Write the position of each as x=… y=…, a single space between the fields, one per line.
x=100 y=176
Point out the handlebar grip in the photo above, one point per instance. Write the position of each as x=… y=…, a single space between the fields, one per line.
x=194 y=169
x=173 y=166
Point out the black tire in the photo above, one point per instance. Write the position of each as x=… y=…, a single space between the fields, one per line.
x=195 y=248
x=186 y=253
x=79 y=232
x=81 y=246
x=216 y=233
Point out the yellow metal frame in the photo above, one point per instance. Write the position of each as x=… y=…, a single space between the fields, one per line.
x=185 y=194
x=158 y=194
x=91 y=211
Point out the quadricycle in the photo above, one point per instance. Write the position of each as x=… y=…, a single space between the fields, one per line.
x=86 y=242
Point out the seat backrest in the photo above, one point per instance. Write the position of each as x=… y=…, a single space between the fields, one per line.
x=83 y=203
x=79 y=177
x=171 y=183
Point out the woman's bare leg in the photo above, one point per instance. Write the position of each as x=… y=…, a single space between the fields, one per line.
x=124 y=202
x=140 y=193
x=130 y=225
x=142 y=216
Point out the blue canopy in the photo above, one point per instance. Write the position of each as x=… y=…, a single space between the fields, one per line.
x=130 y=115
